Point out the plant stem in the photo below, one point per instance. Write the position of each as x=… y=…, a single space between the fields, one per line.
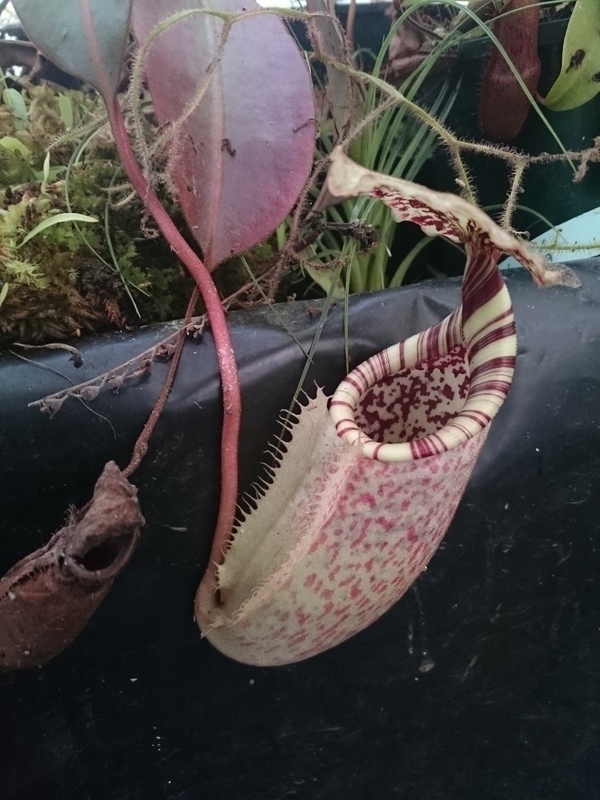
x=141 y=446
x=232 y=403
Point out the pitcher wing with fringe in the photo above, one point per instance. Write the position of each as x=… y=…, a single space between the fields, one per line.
x=366 y=487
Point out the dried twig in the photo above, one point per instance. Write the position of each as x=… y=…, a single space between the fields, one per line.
x=141 y=446
x=75 y=354
x=41 y=366
x=134 y=368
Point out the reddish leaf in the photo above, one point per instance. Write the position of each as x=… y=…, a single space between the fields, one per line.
x=245 y=152
x=503 y=106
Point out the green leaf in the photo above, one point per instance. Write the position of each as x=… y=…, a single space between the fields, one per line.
x=66 y=110
x=14 y=146
x=66 y=217
x=14 y=99
x=53 y=174
x=579 y=78
x=45 y=173
x=325 y=278
x=86 y=38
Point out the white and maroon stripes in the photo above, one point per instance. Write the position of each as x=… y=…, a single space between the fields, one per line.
x=488 y=364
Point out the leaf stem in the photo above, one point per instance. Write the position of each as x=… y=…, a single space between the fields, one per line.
x=232 y=403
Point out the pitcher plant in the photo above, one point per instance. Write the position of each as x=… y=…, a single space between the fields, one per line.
x=369 y=481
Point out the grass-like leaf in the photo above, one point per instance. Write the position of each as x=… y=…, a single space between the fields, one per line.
x=55 y=220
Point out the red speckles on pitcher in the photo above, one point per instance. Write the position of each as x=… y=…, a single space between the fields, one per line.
x=367 y=487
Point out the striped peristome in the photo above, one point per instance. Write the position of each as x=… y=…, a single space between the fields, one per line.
x=488 y=349
x=367 y=486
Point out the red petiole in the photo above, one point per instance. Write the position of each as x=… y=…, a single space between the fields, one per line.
x=232 y=403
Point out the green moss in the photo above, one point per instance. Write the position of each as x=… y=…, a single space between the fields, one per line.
x=64 y=281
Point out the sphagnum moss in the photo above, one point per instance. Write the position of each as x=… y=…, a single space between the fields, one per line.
x=64 y=281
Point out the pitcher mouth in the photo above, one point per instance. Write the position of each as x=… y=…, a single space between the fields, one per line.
x=100 y=560
x=487 y=341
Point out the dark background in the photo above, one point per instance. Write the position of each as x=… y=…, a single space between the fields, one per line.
x=483 y=682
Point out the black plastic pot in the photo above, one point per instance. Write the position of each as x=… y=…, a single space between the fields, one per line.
x=549 y=189
x=370 y=29
x=482 y=682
